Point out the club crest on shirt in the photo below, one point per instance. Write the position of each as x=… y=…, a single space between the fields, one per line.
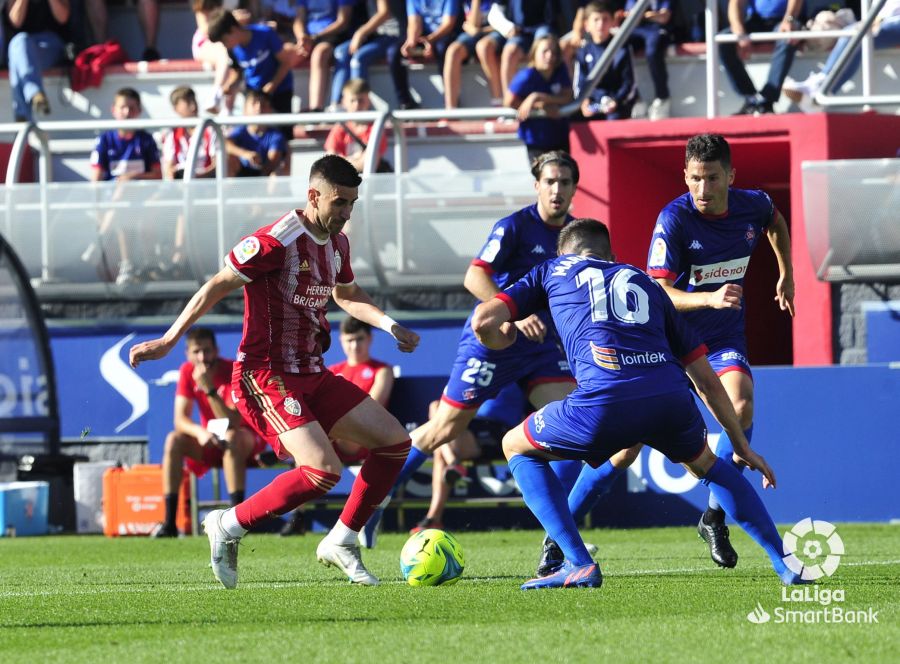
x=658 y=253
x=367 y=373
x=292 y=406
x=338 y=261
x=750 y=235
x=247 y=249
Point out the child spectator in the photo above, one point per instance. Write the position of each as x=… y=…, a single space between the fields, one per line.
x=319 y=26
x=227 y=75
x=430 y=26
x=254 y=149
x=654 y=35
x=265 y=60
x=351 y=139
x=546 y=85
x=378 y=37
x=522 y=22
x=177 y=142
x=122 y=155
x=615 y=94
x=36 y=33
x=477 y=38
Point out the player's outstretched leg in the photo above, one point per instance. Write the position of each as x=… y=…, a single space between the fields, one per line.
x=368 y=534
x=552 y=557
x=742 y=504
x=546 y=499
x=223 y=549
x=712 y=528
x=375 y=479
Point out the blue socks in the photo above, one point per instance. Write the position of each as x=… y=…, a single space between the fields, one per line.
x=740 y=502
x=592 y=483
x=724 y=450
x=546 y=499
x=567 y=472
x=414 y=461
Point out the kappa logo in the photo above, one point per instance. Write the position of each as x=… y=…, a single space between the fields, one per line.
x=696 y=245
x=304 y=266
x=659 y=230
x=292 y=406
x=539 y=249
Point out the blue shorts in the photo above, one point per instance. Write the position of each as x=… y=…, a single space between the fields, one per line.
x=670 y=423
x=730 y=355
x=526 y=38
x=469 y=41
x=478 y=374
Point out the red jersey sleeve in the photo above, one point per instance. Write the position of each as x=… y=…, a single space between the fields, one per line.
x=256 y=255
x=185 y=386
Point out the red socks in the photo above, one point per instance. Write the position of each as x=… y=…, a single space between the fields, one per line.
x=285 y=492
x=374 y=482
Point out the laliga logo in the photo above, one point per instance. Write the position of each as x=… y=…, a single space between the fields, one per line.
x=811 y=538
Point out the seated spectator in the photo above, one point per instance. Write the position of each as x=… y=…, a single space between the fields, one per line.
x=520 y=23
x=572 y=31
x=205 y=380
x=148 y=17
x=177 y=141
x=377 y=38
x=653 y=35
x=360 y=368
x=615 y=94
x=319 y=27
x=544 y=84
x=254 y=149
x=351 y=139
x=264 y=59
x=482 y=440
x=36 y=34
x=477 y=38
x=744 y=17
x=122 y=155
x=227 y=75
x=430 y=27
x=885 y=33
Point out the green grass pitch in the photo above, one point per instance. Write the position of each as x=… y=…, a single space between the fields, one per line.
x=99 y=600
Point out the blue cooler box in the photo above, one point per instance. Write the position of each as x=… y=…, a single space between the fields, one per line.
x=23 y=508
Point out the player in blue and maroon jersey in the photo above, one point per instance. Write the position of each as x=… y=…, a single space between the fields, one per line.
x=700 y=252
x=632 y=354
x=516 y=244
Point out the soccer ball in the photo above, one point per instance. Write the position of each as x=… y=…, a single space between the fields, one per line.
x=432 y=557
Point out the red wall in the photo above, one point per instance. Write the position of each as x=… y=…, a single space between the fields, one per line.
x=630 y=170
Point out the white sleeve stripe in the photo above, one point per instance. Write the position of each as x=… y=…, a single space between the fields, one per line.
x=287 y=229
x=234 y=269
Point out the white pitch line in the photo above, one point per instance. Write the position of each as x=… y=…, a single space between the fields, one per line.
x=212 y=587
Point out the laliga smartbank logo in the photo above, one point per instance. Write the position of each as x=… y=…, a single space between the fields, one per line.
x=812 y=549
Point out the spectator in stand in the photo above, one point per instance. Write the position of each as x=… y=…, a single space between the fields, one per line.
x=319 y=26
x=374 y=377
x=351 y=139
x=122 y=155
x=265 y=60
x=255 y=149
x=481 y=440
x=378 y=37
x=203 y=49
x=477 y=38
x=430 y=27
x=36 y=30
x=653 y=35
x=545 y=84
x=572 y=31
x=744 y=17
x=886 y=34
x=176 y=142
x=205 y=380
x=522 y=22
x=615 y=94
x=148 y=17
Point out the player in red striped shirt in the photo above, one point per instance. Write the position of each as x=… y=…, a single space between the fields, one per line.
x=280 y=385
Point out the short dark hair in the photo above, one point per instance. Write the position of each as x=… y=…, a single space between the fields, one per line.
x=351 y=325
x=182 y=93
x=260 y=96
x=198 y=334
x=560 y=157
x=708 y=147
x=335 y=170
x=585 y=233
x=220 y=24
x=129 y=93
x=599 y=7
